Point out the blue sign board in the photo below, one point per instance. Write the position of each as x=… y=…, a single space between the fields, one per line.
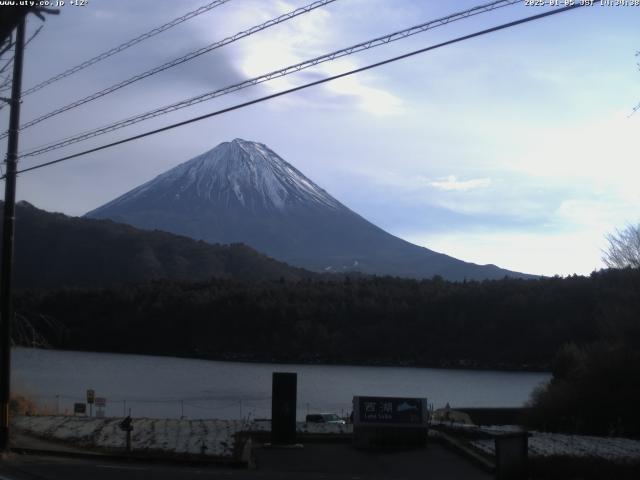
x=390 y=411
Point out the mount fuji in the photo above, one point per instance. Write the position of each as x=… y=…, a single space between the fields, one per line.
x=242 y=191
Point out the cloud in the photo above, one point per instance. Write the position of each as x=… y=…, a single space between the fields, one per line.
x=506 y=197
x=597 y=151
x=541 y=253
x=406 y=203
x=301 y=39
x=452 y=183
x=370 y=99
x=604 y=212
x=421 y=182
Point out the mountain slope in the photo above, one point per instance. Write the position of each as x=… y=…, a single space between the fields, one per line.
x=242 y=191
x=54 y=250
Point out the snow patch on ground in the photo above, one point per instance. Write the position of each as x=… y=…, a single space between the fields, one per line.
x=580 y=446
x=184 y=436
x=149 y=434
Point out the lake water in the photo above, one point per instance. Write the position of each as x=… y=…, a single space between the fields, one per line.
x=171 y=387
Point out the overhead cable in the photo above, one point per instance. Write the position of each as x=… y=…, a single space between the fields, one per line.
x=125 y=45
x=6 y=84
x=302 y=87
x=270 y=76
x=178 y=61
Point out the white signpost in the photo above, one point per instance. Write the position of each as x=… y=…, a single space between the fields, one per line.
x=101 y=404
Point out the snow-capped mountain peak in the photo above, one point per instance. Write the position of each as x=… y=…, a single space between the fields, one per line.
x=239 y=173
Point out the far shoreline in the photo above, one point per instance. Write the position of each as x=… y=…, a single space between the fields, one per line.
x=384 y=363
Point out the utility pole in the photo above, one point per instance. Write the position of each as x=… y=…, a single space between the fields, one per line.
x=6 y=310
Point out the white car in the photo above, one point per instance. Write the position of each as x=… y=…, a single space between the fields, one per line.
x=325 y=418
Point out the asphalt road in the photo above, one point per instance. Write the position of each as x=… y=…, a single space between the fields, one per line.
x=315 y=461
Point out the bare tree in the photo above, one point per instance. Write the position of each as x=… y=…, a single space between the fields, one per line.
x=624 y=248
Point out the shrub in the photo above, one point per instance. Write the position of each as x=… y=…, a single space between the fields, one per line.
x=595 y=389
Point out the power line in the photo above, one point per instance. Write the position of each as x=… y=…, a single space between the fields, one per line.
x=6 y=45
x=125 y=45
x=10 y=62
x=270 y=76
x=33 y=35
x=305 y=86
x=185 y=58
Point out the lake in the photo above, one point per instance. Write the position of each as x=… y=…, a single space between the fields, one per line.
x=167 y=387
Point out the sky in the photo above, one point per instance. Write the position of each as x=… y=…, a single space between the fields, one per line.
x=517 y=148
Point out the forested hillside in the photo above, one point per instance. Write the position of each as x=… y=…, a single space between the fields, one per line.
x=499 y=324
x=53 y=250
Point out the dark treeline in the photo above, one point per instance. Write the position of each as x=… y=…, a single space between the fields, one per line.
x=491 y=324
x=595 y=387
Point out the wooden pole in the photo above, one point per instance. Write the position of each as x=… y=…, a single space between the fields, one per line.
x=6 y=310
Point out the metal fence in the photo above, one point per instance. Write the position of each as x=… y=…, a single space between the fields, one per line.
x=202 y=407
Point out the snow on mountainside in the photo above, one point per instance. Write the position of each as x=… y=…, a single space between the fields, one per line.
x=242 y=173
x=244 y=192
